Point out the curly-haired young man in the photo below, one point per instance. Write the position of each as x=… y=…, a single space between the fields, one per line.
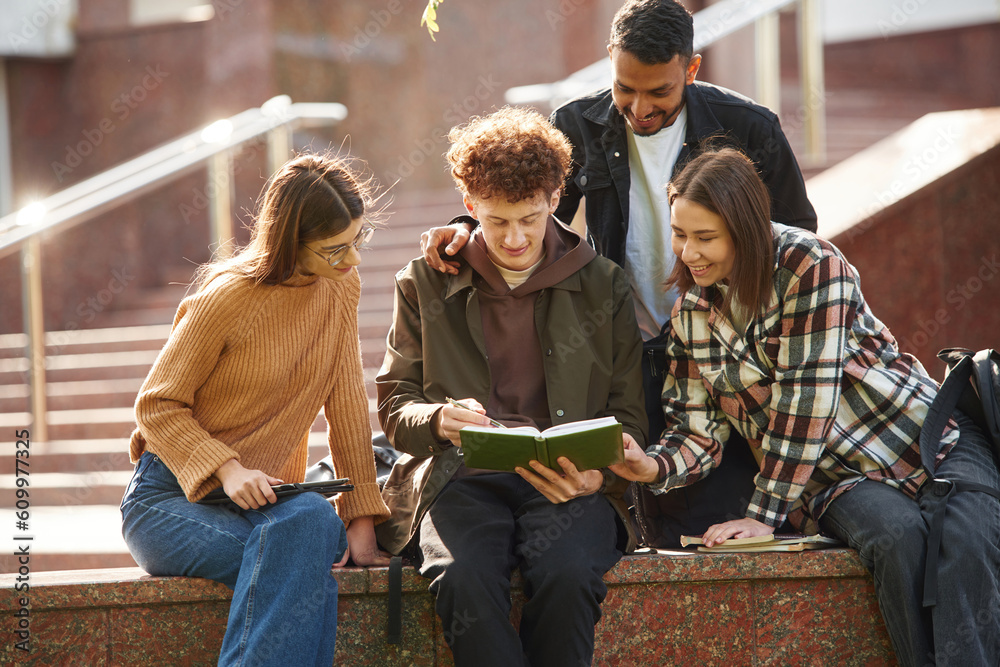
x=535 y=329
x=628 y=140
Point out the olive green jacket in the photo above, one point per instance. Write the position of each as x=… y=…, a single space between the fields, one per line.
x=592 y=357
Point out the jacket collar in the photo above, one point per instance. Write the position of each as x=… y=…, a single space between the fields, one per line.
x=604 y=112
x=701 y=122
x=558 y=233
x=465 y=275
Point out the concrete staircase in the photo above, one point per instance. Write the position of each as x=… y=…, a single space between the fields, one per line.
x=78 y=477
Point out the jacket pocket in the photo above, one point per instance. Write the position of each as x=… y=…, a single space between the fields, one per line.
x=589 y=179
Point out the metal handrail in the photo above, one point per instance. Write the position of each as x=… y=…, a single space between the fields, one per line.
x=711 y=25
x=212 y=146
x=168 y=162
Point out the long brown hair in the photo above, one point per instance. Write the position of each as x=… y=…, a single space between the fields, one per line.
x=310 y=197
x=726 y=182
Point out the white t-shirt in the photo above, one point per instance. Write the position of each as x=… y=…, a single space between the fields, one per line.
x=648 y=255
x=517 y=278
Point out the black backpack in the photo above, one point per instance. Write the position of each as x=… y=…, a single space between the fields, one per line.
x=971 y=384
x=978 y=374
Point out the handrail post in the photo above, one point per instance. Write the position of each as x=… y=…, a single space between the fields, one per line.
x=279 y=145
x=813 y=83
x=6 y=164
x=220 y=202
x=767 y=45
x=34 y=323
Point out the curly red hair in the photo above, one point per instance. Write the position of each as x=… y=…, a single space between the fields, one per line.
x=511 y=153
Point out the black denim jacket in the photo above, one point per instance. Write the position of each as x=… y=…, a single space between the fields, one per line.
x=600 y=169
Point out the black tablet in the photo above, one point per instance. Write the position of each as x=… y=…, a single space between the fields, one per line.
x=326 y=488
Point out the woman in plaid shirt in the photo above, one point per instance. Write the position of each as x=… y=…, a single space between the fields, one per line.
x=772 y=337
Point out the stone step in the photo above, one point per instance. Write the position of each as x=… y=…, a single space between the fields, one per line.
x=101 y=455
x=82 y=340
x=74 y=395
x=74 y=456
x=135 y=318
x=81 y=367
x=118 y=422
x=42 y=562
x=62 y=534
x=97 y=394
x=107 y=365
x=379 y=265
x=96 y=487
x=374 y=324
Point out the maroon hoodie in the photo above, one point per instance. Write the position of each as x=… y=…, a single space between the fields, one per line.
x=514 y=353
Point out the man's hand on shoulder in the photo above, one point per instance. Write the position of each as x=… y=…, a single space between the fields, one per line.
x=456 y=236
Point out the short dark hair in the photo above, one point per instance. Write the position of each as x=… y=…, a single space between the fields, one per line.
x=726 y=182
x=653 y=31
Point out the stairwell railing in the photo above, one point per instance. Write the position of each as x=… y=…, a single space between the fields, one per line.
x=212 y=146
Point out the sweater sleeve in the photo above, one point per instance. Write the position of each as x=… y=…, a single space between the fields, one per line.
x=163 y=409
x=350 y=432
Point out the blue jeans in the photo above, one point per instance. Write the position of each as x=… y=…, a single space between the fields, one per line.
x=888 y=529
x=277 y=560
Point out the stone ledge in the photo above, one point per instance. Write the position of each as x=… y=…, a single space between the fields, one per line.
x=673 y=608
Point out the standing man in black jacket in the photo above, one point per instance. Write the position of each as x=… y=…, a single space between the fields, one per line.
x=628 y=141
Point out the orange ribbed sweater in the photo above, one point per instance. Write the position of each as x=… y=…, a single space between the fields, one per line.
x=244 y=374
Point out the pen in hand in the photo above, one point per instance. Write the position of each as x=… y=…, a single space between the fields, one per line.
x=494 y=422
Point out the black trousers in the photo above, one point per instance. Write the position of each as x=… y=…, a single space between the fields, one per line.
x=473 y=536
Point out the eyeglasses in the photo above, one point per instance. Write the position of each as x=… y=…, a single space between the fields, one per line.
x=338 y=254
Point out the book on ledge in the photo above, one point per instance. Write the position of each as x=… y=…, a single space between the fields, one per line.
x=778 y=542
x=589 y=444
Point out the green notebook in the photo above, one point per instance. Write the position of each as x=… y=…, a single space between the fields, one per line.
x=589 y=444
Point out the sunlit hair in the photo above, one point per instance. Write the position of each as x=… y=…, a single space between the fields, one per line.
x=310 y=197
x=726 y=182
x=511 y=153
x=653 y=31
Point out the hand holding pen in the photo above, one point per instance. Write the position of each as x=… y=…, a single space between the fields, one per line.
x=454 y=416
x=493 y=422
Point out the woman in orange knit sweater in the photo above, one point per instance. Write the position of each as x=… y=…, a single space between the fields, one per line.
x=269 y=338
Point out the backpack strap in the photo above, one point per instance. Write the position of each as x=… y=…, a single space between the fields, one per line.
x=940 y=490
x=941 y=410
x=987 y=377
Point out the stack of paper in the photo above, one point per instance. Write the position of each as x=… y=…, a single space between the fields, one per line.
x=781 y=542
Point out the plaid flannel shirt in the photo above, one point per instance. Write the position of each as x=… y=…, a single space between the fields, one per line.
x=816 y=385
